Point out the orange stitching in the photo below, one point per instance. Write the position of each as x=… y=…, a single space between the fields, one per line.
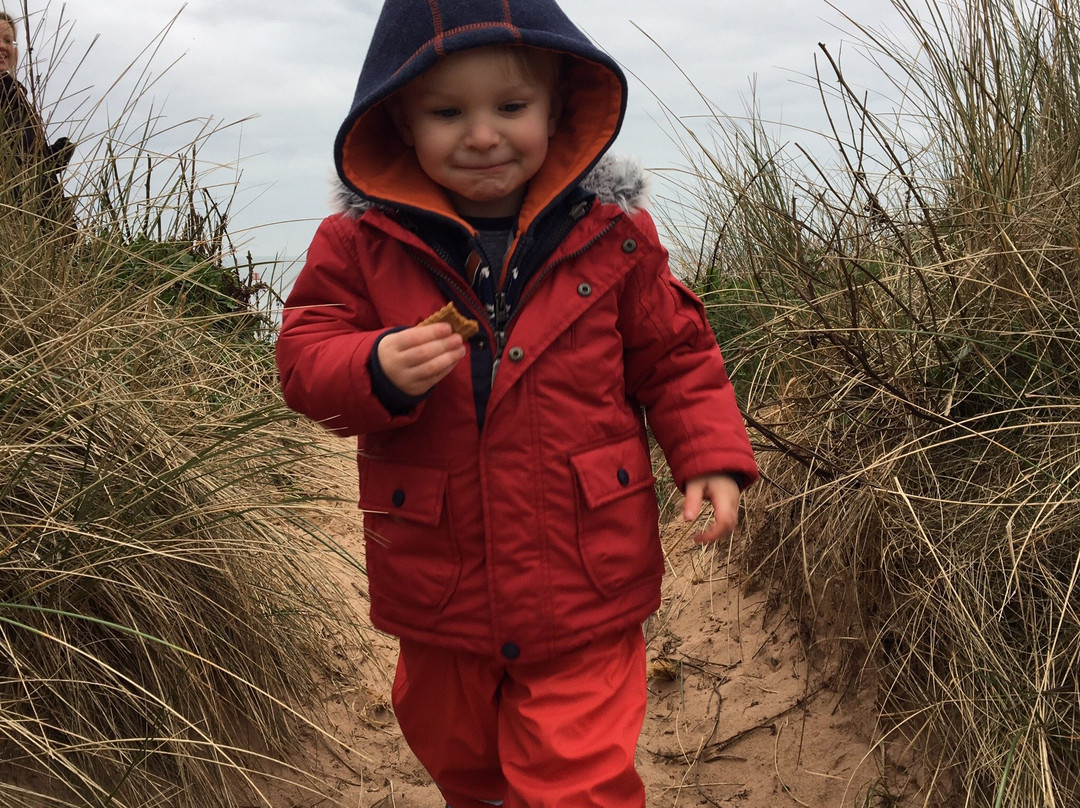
x=436 y=18
x=509 y=20
x=441 y=36
x=479 y=26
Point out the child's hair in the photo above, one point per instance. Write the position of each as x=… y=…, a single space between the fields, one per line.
x=536 y=64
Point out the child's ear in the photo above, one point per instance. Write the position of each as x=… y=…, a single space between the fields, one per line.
x=396 y=110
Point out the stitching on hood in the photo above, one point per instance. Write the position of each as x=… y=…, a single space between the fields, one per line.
x=438 y=42
x=509 y=17
x=621 y=181
x=436 y=16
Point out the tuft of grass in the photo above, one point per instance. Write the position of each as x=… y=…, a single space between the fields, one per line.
x=899 y=309
x=167 y=623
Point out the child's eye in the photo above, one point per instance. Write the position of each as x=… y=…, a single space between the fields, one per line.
x=445 y=112
x=514 y=106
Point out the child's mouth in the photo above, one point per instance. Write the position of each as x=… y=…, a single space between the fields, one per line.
x=489 y=168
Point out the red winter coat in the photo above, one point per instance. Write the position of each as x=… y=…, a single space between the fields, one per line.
x=538 y=531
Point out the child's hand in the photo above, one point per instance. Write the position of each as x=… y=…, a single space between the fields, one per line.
x=418 y=358
x=723 y=492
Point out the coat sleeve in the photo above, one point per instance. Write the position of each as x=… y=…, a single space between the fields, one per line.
x=675 y=370
x=328 y=331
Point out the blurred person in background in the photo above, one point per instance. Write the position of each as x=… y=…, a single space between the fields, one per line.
x=29 y=166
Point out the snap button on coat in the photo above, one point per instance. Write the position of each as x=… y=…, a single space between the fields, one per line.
x=511 y=651
x=629 y=245
x=516 y=354
x=398 y=498
x=624 y=477
x=584 y=289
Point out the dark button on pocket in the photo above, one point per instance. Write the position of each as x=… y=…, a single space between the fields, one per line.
x=584 y=289
x=398 y=498
x=516 y=354
x=624 y=477
x=629 y=245
x=511 y=651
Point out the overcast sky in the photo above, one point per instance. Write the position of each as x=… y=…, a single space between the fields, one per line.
x=288 y=70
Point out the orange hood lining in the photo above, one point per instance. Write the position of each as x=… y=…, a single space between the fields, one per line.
x=382 y=168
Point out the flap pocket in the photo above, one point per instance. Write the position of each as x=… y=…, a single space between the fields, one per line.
x=615 y=470
x=404 y=491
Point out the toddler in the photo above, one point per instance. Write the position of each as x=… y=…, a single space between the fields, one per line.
x=509 y=508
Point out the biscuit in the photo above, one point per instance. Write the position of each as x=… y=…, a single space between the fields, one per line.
x=460 y=324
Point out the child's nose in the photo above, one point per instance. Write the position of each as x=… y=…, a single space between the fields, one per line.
x=482 y=134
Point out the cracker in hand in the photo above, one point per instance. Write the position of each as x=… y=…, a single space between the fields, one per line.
x=459 y=323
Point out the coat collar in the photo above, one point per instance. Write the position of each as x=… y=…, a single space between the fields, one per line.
x=614 y=180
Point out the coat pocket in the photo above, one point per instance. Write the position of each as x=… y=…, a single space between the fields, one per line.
x=617 y=515
x=412 y=553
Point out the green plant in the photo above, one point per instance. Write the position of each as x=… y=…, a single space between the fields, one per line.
x=906 y=344
x=165 y=601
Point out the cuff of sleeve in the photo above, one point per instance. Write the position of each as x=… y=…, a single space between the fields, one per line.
x=741 y=479
x=389 y=394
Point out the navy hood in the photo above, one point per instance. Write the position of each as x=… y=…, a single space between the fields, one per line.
x=411 y=35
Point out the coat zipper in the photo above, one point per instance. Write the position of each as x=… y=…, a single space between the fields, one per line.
x=464 y=293
x=503 y=318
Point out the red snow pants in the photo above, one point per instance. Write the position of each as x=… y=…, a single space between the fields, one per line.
x=555 y=734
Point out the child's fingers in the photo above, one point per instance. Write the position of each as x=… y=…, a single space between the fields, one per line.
x=417 y=345
x=695 y=491
x=722 y=492
x=419 y=335
x=433 y=370
x=432 y=350
x=416 y=359
x=722 y=524
x=424 y=333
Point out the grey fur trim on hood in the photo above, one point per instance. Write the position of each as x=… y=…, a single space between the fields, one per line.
x=622 y=181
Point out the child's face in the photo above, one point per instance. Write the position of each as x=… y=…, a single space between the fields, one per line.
x=480 y=127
